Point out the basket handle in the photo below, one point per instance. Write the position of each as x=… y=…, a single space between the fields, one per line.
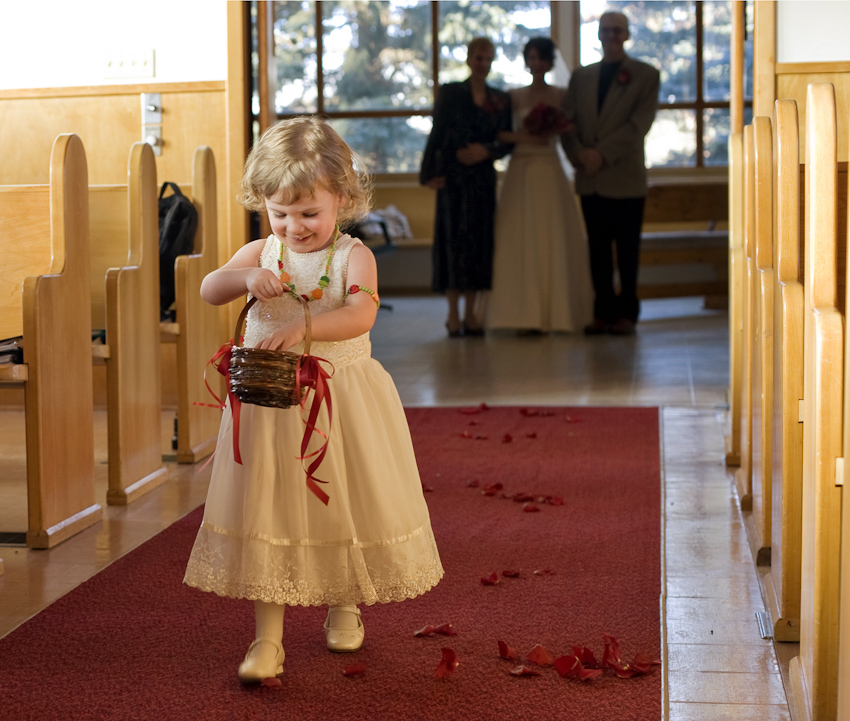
x=240 y=323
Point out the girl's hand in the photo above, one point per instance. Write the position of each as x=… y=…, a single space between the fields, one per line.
x=263 y=284
x=285 y=337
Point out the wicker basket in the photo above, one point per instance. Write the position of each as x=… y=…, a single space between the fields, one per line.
x=265 y=377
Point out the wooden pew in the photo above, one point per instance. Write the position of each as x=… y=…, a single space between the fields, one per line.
x=671 y=203
x=736 y=317
x=44 y=264
x=761 y=361
x=198 y=330
x=743 y=474
x=125 y=302
x=814 y=672
x=782 y=582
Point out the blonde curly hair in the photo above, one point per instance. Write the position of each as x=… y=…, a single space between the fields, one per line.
x=295 y=157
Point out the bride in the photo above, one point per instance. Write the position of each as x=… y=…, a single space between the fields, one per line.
x=541 y=269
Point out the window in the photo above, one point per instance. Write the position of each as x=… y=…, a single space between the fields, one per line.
x=690 y=44
x=371 y=66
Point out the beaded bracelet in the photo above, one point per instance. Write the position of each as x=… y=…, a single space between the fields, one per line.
x=357 y=288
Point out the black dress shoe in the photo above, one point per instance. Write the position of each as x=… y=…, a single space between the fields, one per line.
x=598 y=327
x=470 y=331
x=456 y=333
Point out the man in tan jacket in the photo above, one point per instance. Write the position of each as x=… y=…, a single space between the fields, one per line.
x=612 y=104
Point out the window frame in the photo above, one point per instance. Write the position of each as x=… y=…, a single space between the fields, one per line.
x=267 y=115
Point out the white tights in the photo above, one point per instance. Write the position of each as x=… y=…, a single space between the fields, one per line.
x=268 y=618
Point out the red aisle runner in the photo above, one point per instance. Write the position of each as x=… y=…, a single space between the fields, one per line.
x=134 y=643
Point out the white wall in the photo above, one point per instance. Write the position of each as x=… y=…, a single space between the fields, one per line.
x=809 y=31
x=64 y=43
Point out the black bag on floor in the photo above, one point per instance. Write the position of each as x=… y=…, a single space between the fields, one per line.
x=178 y=222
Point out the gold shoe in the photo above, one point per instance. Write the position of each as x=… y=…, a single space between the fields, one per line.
x=344 y=640
x=258 y=666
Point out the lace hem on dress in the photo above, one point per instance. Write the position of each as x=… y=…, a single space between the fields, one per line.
x=316 y=574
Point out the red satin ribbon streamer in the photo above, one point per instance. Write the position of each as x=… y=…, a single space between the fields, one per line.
x=222 y=355
x=311 y=375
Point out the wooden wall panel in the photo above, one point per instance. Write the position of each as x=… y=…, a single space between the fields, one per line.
x=108 y=119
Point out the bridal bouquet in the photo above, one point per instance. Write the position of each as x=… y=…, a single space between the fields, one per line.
x=546 y=120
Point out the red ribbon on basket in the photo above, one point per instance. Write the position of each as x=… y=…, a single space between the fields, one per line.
x=222 y=355
x=310 y=374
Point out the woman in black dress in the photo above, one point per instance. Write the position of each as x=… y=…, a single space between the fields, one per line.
x=458 y=164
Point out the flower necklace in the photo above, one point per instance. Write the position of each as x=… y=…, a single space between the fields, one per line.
x=324 y=280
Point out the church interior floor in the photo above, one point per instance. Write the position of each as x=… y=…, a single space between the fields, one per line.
x=717 y=665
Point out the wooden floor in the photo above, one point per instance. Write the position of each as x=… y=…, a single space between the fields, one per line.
x=717 y=664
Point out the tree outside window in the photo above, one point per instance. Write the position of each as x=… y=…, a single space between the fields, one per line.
x=379 y=61
x=372 y=67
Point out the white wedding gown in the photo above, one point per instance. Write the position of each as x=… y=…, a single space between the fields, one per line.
x=541 y=270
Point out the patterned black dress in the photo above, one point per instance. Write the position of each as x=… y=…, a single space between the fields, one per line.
x=463 y=226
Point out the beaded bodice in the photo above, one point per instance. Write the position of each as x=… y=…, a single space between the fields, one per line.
x=305 y=269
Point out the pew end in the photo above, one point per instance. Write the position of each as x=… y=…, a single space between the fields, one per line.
x=45 y=255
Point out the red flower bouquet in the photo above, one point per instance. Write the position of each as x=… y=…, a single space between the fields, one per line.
x=624 y=77
x=546 y=120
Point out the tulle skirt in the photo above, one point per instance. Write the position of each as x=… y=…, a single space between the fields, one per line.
x=265 y=536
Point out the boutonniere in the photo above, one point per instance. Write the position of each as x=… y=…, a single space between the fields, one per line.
x=624 y=77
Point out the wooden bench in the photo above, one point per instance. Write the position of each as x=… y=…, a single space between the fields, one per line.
x=696 y=207
x=125 y=303
x=198 y=331
x=46 y=299
x=813 y=674
x=782 y=582
x=761 y=273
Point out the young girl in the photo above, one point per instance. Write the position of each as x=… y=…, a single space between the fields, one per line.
x=266 y=536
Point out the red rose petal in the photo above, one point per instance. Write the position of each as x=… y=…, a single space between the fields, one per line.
x=522 y=497
x=523 y=671
x=490 y=580
x=427 y=489
x=527 y=412
x=507 y=438
x=541 y=656
x=466 y=434
x=644 y=663
x=555 y=501
x=585 y=655
x=474 y=423
x=271 y=682
x=544 y=572
x=589 y=673
x=484 y=407
x=492 y=489
x=507 y=652
x=472 y=484
x=510 y=574
x=568 y=665
x=533 y=434
x=355 y=669
x=470 y=411
x=446 y=629
x=448 y=663
x=424 y=631
x=481 y=438
x=530 y=508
